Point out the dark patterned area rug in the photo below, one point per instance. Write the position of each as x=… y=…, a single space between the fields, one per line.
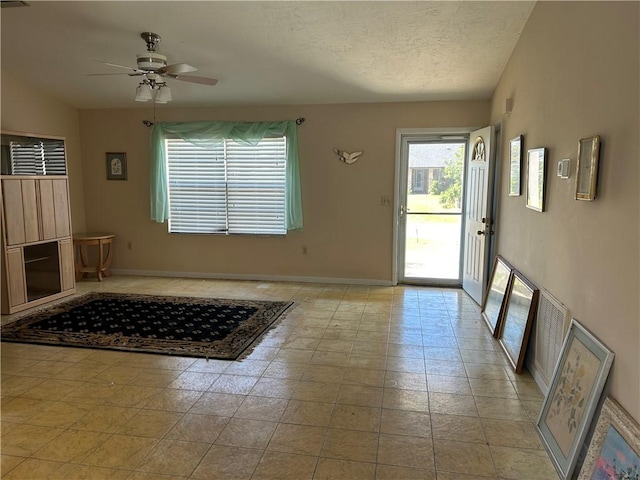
x=185 y=326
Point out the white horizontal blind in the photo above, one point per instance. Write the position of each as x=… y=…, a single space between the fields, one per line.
x=37 y=157
x=197 y=188
x=54 y=159
x=23 y=159
x=256 y=186
x=227 y=187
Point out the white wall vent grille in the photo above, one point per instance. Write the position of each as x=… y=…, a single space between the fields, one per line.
x=552 y=322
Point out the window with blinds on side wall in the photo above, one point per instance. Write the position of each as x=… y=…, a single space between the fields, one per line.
x=32 y=156
x=227 y=187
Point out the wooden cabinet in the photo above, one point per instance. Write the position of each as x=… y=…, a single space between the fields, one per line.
x=37 y=249
x=13 y=209
x=17 y=292
x=67 y=271
x=36 y=241
x=35 y=209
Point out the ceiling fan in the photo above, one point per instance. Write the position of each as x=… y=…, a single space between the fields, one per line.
x=152 y=66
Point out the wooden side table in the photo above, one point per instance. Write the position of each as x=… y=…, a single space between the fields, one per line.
x=104 y=241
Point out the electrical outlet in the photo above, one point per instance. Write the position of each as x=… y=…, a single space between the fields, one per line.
x=385 y=201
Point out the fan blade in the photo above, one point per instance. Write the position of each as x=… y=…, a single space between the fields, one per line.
x=178 y=68
x=194 y=79
x=123 y=73
x=136 y=71
x=116 y=65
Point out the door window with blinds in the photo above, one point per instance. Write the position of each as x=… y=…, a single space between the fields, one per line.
x=227 y=187
x=32 y=156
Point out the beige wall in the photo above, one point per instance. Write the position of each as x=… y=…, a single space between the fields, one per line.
x=347 y=232
x=25 y=109
x=574 y=74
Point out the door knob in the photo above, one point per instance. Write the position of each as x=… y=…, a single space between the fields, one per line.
x=487 y=231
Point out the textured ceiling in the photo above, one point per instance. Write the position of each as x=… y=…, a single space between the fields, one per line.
x=267 y=53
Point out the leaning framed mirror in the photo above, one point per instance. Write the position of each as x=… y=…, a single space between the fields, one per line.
x=493 y=304
x=519 y=312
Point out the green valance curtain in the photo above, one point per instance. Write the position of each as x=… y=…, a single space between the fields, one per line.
x=208 y=133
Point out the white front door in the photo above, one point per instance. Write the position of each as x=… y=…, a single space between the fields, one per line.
x=478 y=224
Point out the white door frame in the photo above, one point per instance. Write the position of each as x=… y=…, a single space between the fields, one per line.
x=495 y=204
x=401 y=135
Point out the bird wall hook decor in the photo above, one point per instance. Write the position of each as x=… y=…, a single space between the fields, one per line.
x=346 y=157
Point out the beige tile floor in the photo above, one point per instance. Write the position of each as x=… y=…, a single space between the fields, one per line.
x=356 y=382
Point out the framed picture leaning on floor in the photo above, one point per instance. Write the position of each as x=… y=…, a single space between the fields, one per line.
x=574 y=393
x=614 y=450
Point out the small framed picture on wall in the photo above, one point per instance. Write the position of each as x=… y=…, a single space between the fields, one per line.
x=536 y=159
x=515 y=164
x=587 y=169
x=116 y=166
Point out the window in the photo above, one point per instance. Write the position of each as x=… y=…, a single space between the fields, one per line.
x=227 y=187
x=32 y=156
x=228 y=177
x=418 y=180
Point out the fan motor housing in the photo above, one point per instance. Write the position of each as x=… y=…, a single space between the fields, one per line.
x=151 y=61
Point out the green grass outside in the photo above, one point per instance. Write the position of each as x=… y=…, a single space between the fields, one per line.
x=428 y=203
x=432 y=247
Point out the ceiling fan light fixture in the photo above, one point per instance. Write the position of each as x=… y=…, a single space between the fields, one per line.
x=152 y=67
x=151 y=61
x=143 y=93
x=163 y=94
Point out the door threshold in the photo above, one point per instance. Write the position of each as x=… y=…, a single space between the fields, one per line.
x=431 y=283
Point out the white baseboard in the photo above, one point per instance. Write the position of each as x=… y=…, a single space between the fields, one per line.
x=262 y=278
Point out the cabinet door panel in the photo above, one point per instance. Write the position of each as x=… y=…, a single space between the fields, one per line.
x=47 y=210
x=30 y=209
x=61 y=206
x=67 y=268
x=13 y=212
x=15 y=277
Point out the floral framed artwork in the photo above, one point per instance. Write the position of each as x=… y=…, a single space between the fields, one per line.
x=519 y=313
x=536 y=162
x=116 y=166
x=614 y=451
x=494 y=300
x=515 y=165
x=574 y=393
x=587 y=169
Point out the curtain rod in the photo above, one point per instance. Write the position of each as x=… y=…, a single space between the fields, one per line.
x=149 y=123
